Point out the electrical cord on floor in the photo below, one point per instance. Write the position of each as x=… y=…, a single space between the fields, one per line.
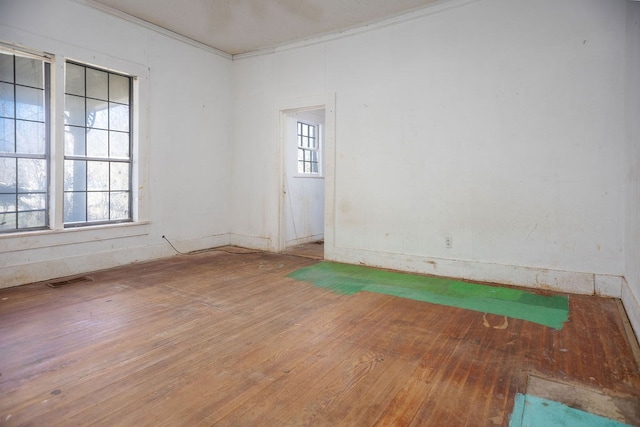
x=209 y=250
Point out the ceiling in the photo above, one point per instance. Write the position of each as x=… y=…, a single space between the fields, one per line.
x=241 y=26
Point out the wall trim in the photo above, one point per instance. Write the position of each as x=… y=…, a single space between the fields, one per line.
x=632 y=307
x=32 y=272
x=303 y=240
x=532 y=277
x=153 y=27
x=80 y=262
x=438 y=7
x=252 y=242
x=608 y=285
x=29 y=240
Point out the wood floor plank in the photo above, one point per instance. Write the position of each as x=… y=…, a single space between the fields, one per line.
x=217 y=338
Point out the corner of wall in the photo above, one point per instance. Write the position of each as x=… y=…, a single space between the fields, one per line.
x=608 y=286
x=632 y=307
x=252 y=242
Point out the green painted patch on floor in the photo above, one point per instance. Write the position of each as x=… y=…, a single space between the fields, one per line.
x=347 y=279
x=533 y=411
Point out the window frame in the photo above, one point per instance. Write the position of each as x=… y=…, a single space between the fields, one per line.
x=319 y=150
x=56 y=234
x=108 y=159
x=46 y=155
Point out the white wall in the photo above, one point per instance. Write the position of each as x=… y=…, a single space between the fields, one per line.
x=510 y=126
x=631 y=290
x=185 y=125
x=500 y=124
x=304 y=195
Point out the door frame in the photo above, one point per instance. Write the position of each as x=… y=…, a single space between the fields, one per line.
x=284 y=108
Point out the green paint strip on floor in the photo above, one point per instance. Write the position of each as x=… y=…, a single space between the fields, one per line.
x=535 y=411
x=551 y=311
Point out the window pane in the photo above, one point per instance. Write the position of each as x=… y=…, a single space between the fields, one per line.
x=31 y=219
x=119 y=117
x=97 y=84
x=29 y=103
x=30 y=138
x=8 y=175
x=98 y=206
x=97 y=114
x=7 y=136
x=74 y=110
x=6 y=100
x=119 y=176
x=74 y=141
x=97 y=176
x=119 y=145
x=7 y=203
x=29 y=72
x=23 y=135
x=32 y=175
x=119 y=89
x=119 y=206
x=74 y=79
x=75 y=207
x=7 y=221
x=30 y=202
x=99 y=188
x=97 y=143
x=75 y=175
x=6 y=68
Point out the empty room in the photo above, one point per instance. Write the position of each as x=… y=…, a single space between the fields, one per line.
x=320 y=212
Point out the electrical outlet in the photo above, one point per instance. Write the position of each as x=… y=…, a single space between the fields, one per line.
x=448 y=242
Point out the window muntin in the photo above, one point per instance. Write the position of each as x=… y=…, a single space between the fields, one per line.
x=97 y=147
x=308 y=148
x=24 y=142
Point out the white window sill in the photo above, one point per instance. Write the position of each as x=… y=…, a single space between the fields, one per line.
x=309 y=176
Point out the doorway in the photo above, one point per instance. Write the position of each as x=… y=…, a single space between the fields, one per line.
x=322 y=108
x=304 y=177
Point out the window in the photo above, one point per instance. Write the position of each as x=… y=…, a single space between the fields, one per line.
x=97 y=146
x=24 y=142
x=308 y=149
x=93 y=146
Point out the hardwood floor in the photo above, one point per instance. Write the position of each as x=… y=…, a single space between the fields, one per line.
x=217 y=338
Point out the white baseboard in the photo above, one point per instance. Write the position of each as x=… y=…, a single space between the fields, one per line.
x=632 y=307
x=252 y=242
x=541 y=278
x=303 y=240
x=608 y=286
x=19 y=271
x=30 y=272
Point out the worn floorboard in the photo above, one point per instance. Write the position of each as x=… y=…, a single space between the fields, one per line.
x=220 y=338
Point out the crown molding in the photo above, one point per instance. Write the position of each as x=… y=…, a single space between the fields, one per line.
x=153 y=27
x=435 y=8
